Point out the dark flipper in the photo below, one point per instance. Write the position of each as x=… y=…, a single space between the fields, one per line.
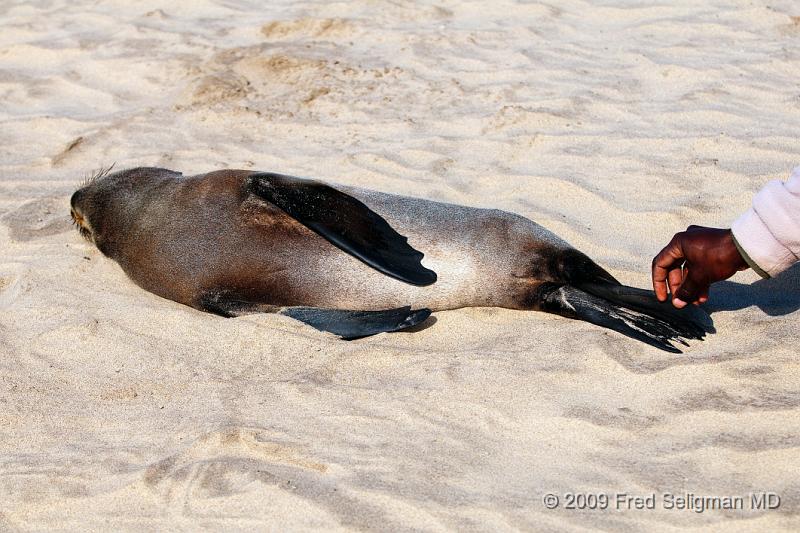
x=651 y=326
x=575 y=268
x=690 y=317
x=229 y=305
x=356 y=324
x=345 y=222
x=346 y=324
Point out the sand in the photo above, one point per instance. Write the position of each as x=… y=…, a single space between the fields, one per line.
x=614 y=124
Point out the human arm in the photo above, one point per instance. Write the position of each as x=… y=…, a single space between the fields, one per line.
x=766 y=238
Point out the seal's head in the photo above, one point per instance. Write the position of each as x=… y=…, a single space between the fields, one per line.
x=102 y=208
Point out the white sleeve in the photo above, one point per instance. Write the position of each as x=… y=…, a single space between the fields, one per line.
x=769 y=232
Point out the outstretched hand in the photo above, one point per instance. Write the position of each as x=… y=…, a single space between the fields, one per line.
x=692 y=261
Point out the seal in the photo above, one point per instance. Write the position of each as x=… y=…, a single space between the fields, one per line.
x=346 y=260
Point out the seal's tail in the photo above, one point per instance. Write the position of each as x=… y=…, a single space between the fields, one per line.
x=633 y=312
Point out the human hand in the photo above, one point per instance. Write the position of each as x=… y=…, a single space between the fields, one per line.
x=692 y=261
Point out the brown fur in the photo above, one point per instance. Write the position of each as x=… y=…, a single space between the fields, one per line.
x=185 y=238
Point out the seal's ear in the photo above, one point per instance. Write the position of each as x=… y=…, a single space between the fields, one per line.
x=345 y=222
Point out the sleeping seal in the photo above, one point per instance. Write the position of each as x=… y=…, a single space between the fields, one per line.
x=345 y=260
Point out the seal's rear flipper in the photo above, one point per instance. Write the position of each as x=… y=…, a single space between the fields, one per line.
x=645 y=301
x=649 y=326
x=355 y=324
x=345 y=222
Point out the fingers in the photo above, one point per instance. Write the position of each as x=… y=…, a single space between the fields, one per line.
x=675 y=279
x=690 y=262
x=691 y=289
x=703 y=298
x=659 y=274
x=664 y=263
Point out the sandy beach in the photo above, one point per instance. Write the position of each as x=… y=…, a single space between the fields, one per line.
x=614 y=124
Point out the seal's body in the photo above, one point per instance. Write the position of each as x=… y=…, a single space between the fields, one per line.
x=235 y=241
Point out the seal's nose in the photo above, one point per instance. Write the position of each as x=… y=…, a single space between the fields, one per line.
x=76 y=197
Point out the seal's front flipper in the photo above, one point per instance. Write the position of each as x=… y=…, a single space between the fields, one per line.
x=345 y=222
x=355 y=324
x=647 y=327
x=346 y=324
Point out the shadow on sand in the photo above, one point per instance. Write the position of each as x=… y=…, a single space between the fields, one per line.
x=775 y=296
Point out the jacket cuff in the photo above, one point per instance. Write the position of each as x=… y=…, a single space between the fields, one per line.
x=758 y=247
x=747 y=259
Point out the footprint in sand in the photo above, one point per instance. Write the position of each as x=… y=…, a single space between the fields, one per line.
x=39 y=218
x=223 y=462
x=305 y=28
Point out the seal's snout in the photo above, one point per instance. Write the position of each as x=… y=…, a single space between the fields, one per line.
x=77 y=213
x=76 y=198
